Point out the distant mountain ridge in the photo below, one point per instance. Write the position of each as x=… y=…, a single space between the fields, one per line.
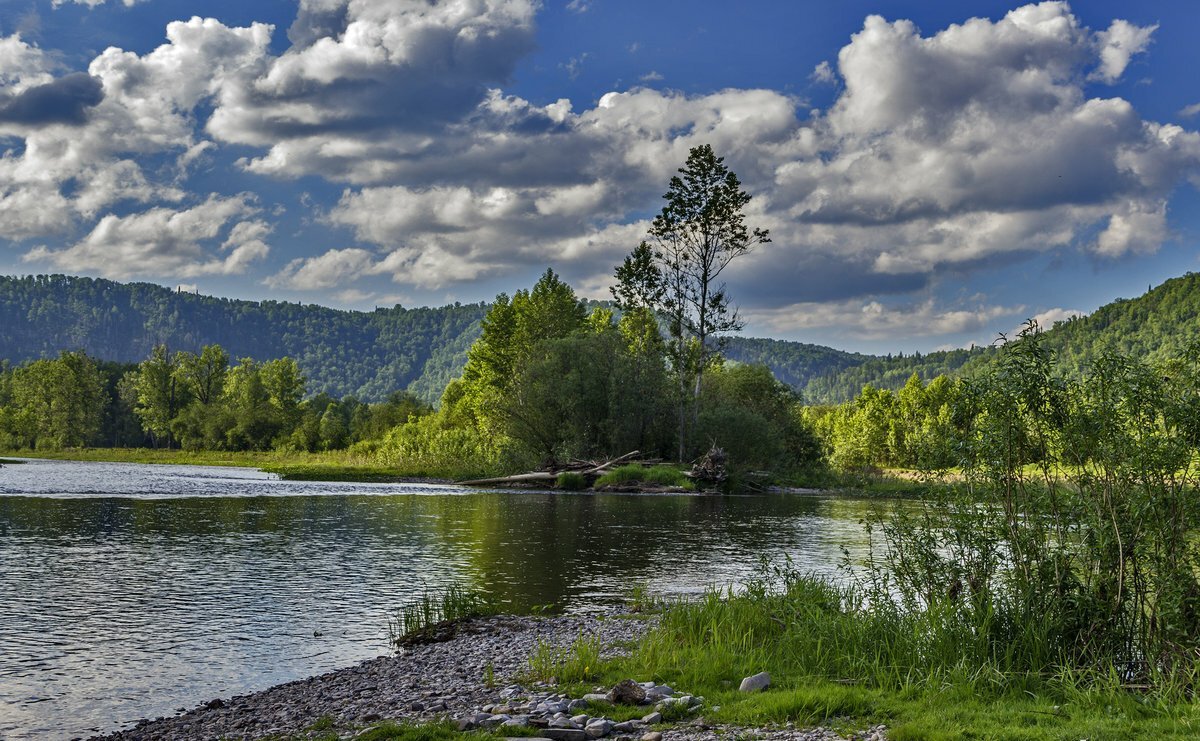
x=371 y=354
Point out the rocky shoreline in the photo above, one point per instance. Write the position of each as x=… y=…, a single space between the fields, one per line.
x=470 y=679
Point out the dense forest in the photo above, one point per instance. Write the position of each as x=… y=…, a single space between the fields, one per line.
x=371 y=354
x=365 y=354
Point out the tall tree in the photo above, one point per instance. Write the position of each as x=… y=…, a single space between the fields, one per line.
x=700 y=230
x=58 y=403
x=205 y=373
x=160 y=395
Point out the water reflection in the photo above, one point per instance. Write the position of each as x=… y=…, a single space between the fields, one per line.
x=193 y=585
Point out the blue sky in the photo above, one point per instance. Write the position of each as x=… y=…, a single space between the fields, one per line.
x=932 y=173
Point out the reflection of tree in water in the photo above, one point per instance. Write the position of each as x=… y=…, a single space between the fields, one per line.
x=527 y=548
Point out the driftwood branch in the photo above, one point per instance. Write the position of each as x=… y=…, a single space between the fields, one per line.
x=590 y=469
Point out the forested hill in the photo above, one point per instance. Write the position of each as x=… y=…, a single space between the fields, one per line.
x=368 y=354
x=797 y=364
x=371 y=354
x=1155 y=326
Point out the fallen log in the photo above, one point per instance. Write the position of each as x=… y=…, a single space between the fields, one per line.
x=520 y=478
x=593 y=471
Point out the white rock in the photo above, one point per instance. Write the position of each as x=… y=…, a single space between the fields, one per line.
x=756 y=683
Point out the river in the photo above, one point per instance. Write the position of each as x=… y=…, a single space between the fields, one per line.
x=130 y=590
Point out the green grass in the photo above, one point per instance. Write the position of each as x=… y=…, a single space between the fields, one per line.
x=634 y=474
x=570 y=481
x=574 y=665
x=419 y=618
x=391 y=731
x=835 y=660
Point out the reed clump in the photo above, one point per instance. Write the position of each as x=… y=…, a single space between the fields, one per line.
x=435 y=614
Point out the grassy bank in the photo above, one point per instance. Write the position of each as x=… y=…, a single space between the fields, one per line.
x=836 y=660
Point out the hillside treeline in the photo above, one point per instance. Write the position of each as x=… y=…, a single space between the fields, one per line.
x=365 y=354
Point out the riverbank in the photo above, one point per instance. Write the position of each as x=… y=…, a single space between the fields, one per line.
x=458 y=679
x=344 y=466
x=332 y=466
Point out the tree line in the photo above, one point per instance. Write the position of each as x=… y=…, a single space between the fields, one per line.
x=196 y=401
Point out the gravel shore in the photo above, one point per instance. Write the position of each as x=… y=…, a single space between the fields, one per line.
x=425 y=683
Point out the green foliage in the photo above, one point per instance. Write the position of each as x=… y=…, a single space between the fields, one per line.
x=57 y=403
x=1073 y=542
x=838 y=657
x=366 y=354
x=435 y=445
x=921 y=427
x=372 y=354
x=634 y=474
x=699 y=231
x=755 y=418
x=159 y=393
x=435 y=607
x=580 y=662
x=547 y=382
x=185 y=399
x=570 y=481
x=640 y=284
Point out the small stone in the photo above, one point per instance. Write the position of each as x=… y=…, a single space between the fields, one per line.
x=372 y=717
x=472 y=721
x=492 y=721
x=652 y=718
x=580 y=720
x=756 y=683
x=562 y=723
x=417 y=706
x=627 y=692
x=598 y=728
x=576 y=705
x=652 y=736
x=597 y=698
x=662 y=689
x=628 y=726
x=565 y=734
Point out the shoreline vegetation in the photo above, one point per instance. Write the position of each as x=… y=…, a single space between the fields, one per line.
x=838 y=669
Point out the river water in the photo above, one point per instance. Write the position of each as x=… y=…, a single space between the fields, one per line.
x=130 y=590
